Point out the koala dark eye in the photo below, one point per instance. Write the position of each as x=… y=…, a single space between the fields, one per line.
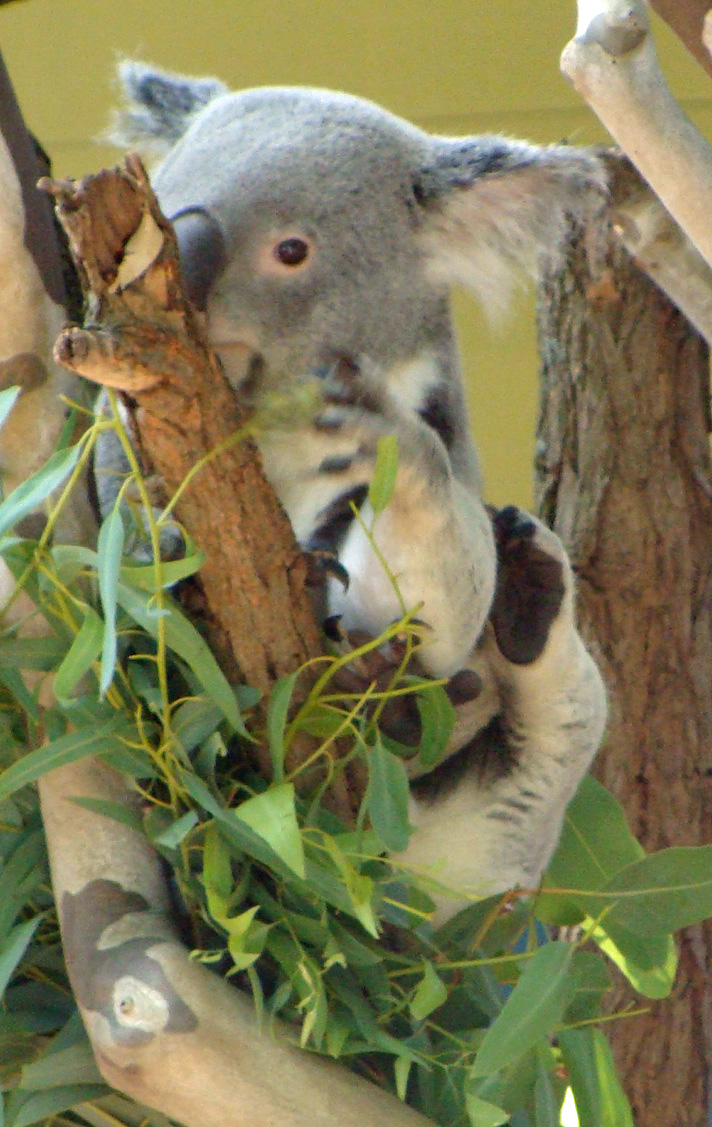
x=292 y=252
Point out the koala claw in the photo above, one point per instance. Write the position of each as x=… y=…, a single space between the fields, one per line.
x=530 y=587
x=323 y=564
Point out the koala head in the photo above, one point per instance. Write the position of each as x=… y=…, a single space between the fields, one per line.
x=313 y=224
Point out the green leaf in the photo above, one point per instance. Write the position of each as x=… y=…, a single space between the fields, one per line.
x=172 y=572
x=110 y=546
x=15 y=685
x=437 y=719
x=183 y=638
x=590 y=980
x=41 y=1107
x=429 y=995
x=177 y=831
x=657 y=895
x=117 y=811
x=401 y=1072
x=72 y=1065
x=31 y=493
x=194 y=721
x=359 y=888
x=273 y=816
x=383 y=481
x=595 y=842
x=91 y=740
x=32 y=653
x=600 y=1100
x=81 y=655
x=482 y=1113
x=8 y=398
x=387 y=797
x=531 y=1011
x=547 y=1105
x=277 y=714
x=13 y=948
x=650 y=965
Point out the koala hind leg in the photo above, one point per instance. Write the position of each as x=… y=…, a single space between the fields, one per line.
x=516 y=778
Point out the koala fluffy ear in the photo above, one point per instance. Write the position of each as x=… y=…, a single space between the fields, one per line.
x=493 y=206
x=159 y=106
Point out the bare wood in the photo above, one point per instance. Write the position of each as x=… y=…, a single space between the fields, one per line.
x=624 y=475
x=613 y=65
x=165 y=1030
x=658 y=244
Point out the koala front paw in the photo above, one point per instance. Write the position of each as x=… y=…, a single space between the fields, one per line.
x=351 y=418
x=531 y=585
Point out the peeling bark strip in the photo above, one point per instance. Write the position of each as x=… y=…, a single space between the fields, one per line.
x=624 y=476
x=116 y=977
x=143 y=338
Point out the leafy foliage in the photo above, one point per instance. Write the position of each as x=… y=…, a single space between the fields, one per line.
x=478 y=1024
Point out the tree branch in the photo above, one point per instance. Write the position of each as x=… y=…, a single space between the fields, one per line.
x=165 y=1030
x=613 y=65
x=143 y=338
x=658 y=244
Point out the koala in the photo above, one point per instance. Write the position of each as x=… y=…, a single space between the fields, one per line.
x=324 y=234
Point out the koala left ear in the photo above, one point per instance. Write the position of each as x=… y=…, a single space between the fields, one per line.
x=491 y=207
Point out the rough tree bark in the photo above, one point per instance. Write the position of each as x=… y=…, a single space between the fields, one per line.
x=624 y=477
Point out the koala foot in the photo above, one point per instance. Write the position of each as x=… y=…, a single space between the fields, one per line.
x=531 y=584
x=400 y=718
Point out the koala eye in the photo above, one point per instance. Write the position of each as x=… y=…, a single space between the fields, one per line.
x=292 y=252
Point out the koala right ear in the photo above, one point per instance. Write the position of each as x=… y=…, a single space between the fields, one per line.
x=492 y=206
x=159 y=106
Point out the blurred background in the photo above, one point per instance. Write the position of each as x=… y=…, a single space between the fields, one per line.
x=453 y=66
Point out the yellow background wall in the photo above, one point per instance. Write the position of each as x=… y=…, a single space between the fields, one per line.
x=449 y=65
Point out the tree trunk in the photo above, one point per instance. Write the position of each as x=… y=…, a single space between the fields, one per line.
x=623 y=475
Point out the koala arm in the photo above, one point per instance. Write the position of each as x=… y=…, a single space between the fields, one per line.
x=516 y=777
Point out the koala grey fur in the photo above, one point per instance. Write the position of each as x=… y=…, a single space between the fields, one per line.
x=314 y=228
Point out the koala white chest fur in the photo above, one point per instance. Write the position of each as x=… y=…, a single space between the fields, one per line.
x=322 y=234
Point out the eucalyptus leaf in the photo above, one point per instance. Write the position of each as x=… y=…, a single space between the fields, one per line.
x=277 y=713
x=387 y=797
x=665 y=891
x=430 y=993
x=481 y=1113
x=41 y=1107
x=600 y=1100
x=272 y=815
x=183 y=638
x=547 y=1105
x=595 y=842
x=78 y=744
x=81 y=655
x=72 y=1065
x=36 y=489
x=385 y=472
x=649 y=964
x=13 y=948
x=117 y=811
x=171 y=572
x=437 y=721
x=532 y=1009
x=8 y=399
x=110 y=546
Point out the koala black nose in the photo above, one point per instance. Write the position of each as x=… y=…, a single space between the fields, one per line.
x=203 y=256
